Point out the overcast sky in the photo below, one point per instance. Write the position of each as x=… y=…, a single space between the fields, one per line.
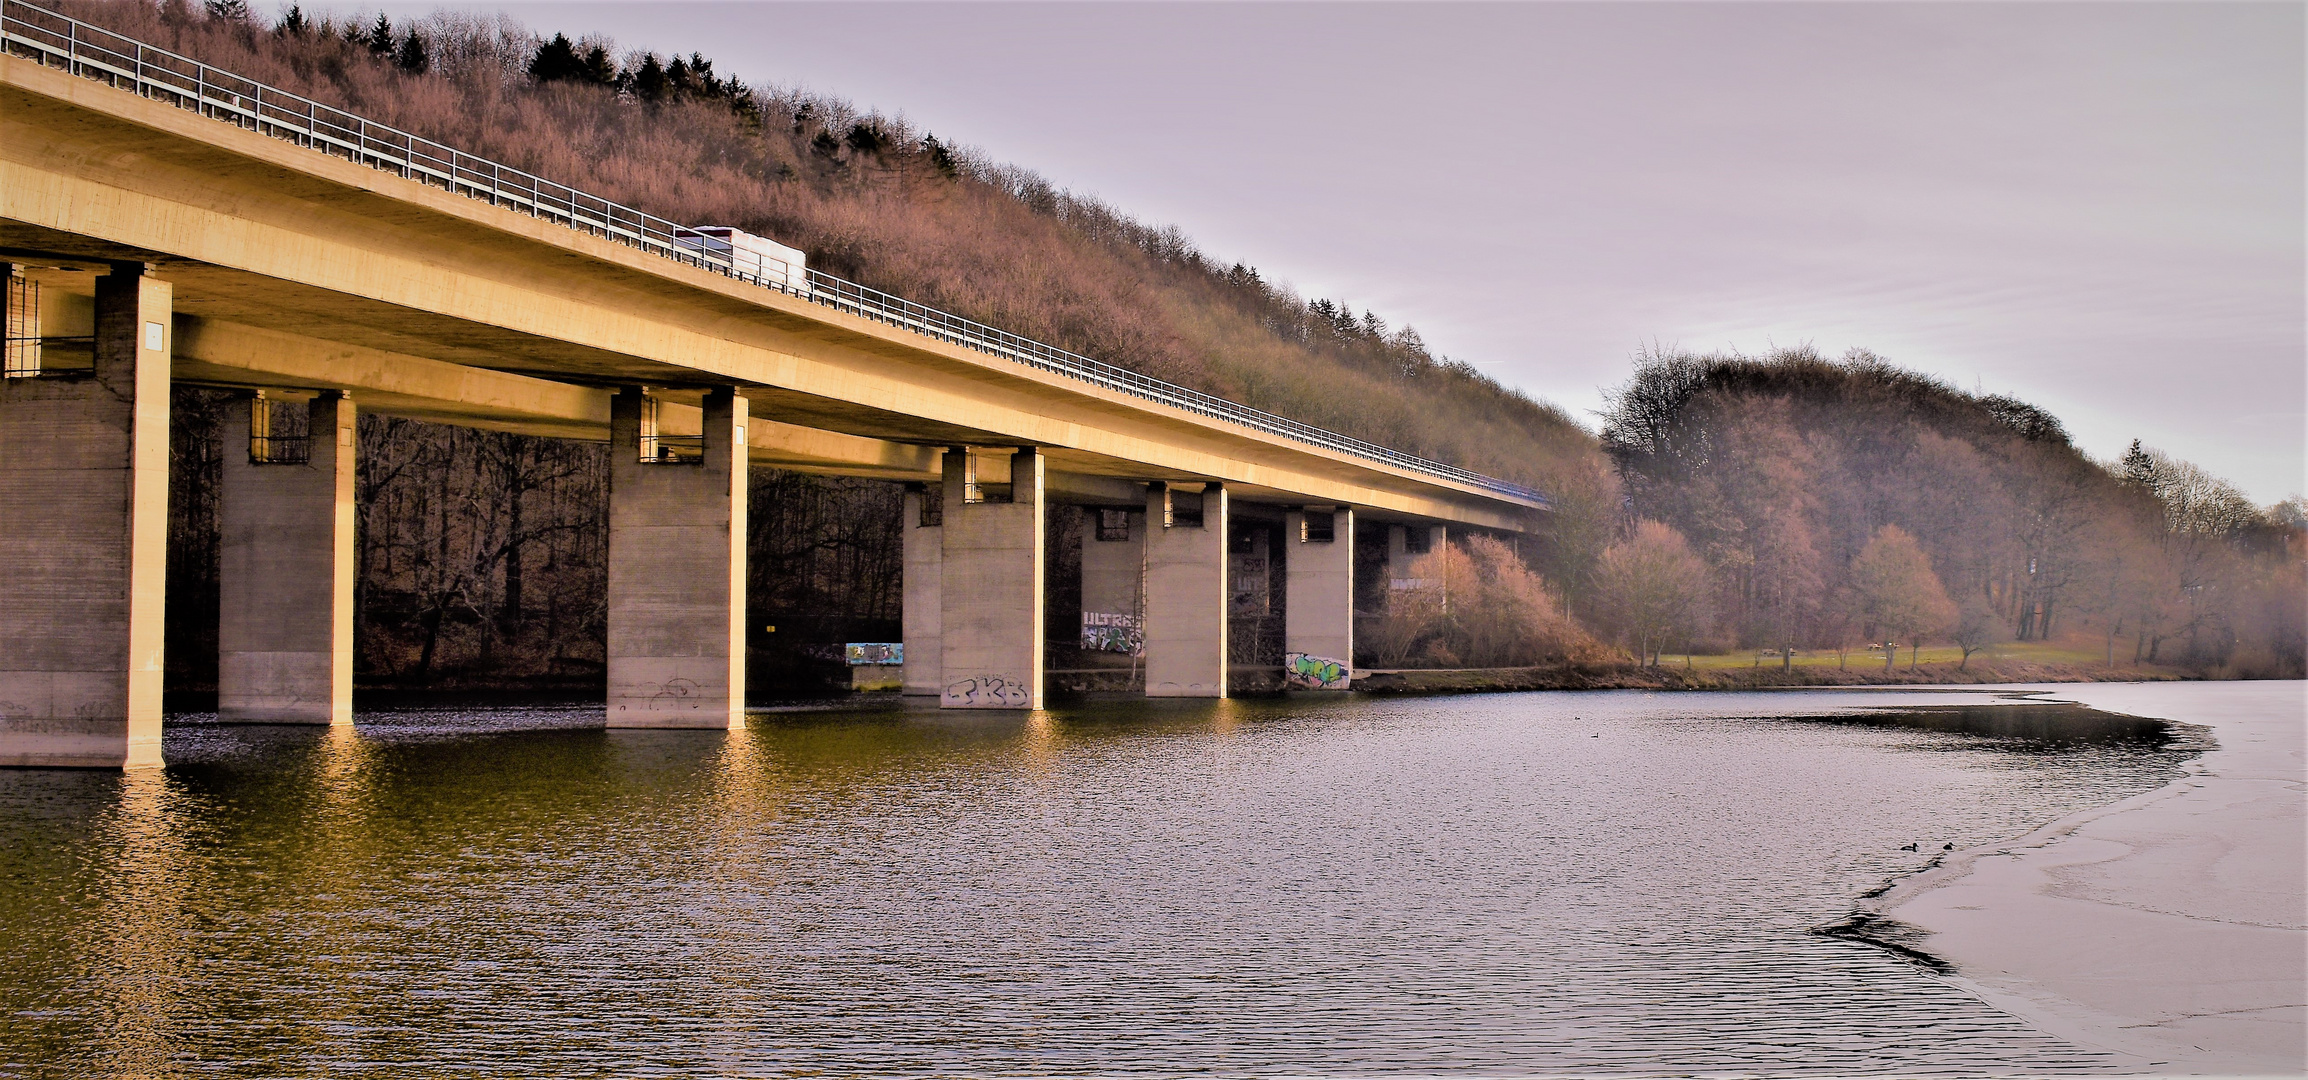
x=2097 y=208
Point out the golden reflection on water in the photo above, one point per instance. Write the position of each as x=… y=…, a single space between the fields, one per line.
x=1041 y=740
x=1227 y=715
x=133 y=937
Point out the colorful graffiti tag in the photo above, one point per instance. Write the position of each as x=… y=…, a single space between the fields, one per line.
x=872 y=653
x=1301 y=671
x=1109 y=632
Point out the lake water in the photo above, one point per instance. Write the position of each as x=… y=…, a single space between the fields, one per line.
x=1614 y=883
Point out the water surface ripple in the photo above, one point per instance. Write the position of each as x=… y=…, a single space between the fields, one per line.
x=1550 y=883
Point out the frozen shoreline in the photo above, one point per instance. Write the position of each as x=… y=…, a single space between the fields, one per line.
x=2170 y=928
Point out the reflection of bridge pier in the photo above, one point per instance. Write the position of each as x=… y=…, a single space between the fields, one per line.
x=277 y=259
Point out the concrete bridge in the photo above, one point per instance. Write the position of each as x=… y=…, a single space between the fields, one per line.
x=164 y=222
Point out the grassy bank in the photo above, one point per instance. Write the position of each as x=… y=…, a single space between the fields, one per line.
x=2028 y=662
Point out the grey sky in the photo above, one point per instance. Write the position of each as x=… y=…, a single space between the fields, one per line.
x=2097 y=208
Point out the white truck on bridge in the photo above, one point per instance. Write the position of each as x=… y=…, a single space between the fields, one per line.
x=757 y=257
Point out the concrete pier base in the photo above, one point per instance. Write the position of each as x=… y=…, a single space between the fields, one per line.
x=1186 y=592
x=1113 y=571
x=991 y=581
x=1318 y=598
x=924 y=615
x=285 y=569
x=84 y=536
x=677 y=569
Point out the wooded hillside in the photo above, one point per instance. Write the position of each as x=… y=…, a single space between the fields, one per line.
x=1803 y=484
x=1782 y=502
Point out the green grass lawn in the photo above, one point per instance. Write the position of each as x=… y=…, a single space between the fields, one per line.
x=2066 y=651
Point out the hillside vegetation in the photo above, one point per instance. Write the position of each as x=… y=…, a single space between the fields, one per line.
x=1786 y=502
x=1831 y=504
x=871 y=199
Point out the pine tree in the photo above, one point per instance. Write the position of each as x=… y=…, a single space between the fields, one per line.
x=380 y=39
x=2138 y=468
x=414 y=58
x=294 y=24
x=556 y=60
x=598 y=69
x=942 y=157
x=232 y=11
x=649 y=83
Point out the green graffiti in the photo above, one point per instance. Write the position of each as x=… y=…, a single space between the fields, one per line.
x=1303 y=671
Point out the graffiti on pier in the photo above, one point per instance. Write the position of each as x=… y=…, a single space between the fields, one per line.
x=1109 y=632
x=874 y=653
x=1301 y=671
x=988 y=692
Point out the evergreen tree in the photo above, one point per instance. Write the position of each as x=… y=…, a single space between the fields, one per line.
x=232 y=11
x=2138 y=468
x=942 y=157
x=414 y=58
x=649 y=83
x=294 y=24
x=556 y=61
x=599 y=70
x=380 y=40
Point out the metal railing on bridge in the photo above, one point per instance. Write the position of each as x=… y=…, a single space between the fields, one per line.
x=36 y=33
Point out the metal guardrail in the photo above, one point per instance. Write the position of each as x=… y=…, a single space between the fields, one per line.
x=36 y=33
x=280 y=449
x=47 y=357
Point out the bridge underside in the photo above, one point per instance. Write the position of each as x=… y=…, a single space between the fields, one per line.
x=179 y=251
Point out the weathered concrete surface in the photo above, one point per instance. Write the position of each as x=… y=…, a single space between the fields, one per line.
x=397 y=384
x=1318 y=596
x=991 y=584
x=1113 y=571
x=285 y=575
x=923 y=619
x=677 y=574
x=1186 y=599
x=1403 y=551
x=84 y=536
x=2170 y=928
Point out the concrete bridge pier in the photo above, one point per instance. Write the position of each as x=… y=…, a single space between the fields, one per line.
x=990 y=594
x=285 y=564
x=1406 y=544
x=923 y=548
x=1318 y=598
x=1186 y=597
x=1113 y=578
x=677 y=566
x=84 y=536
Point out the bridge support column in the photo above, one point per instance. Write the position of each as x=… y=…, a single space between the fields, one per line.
x=1404 y=545
x=1186 y=592
x=1318 y=598
x=677 y=568
x=285 y=567
x=991 y=584
x=1113 y=573
x=924 y=615
x=84 y=537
